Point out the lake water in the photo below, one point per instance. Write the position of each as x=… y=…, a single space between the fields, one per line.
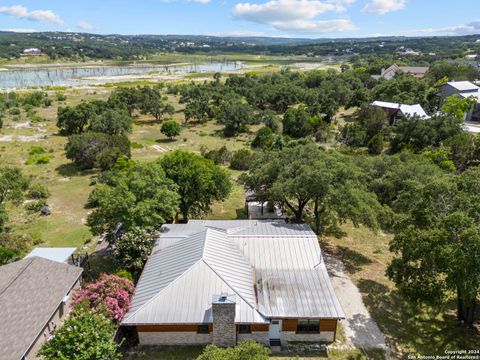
x=58 y=76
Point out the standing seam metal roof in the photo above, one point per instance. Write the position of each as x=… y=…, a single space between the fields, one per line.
x=282 y=261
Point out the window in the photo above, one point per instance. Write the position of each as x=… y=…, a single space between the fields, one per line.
x=308 y=326
x=202 y=329
x=244 y=329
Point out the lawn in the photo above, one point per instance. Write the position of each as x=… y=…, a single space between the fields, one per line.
x=409 y=328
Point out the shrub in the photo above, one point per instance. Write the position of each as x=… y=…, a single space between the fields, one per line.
x=241 y=159
x=35 y=150
x=170 y=129
x=248 y=349
x=38 y=160
x=60 y=97
x=125 y=274
x=219 y=156
x=38 y=191
x=376 y=145
x=35 y=206
x=7 y=256
x=86 y=336
x=110 y=293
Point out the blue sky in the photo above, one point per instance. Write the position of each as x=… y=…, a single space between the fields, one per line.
x=289 y=18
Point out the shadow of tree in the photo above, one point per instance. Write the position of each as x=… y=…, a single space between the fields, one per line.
x=422 y=329
x=165 y=141
x=241 y=213
x=70 y=170
x=352 y=260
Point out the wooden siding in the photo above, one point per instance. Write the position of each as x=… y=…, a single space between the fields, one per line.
x=328 y=325
x=289 y=325
x=170 y=328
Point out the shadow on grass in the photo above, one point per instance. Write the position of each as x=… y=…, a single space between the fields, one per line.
x=353 y=260
x=416 y=327
x=70 y=170
x=102 y=261
x=165 y=141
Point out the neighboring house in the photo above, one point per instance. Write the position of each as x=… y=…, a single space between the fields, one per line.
x=34 y=301
x=224 y=281
x=464 y=89
x=397 y=111
x=63 y=255
x=390 y=72
x=32 y=51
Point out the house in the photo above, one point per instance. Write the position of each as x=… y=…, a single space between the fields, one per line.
x=63 y=255
x=224 y=281
x=465 y=89
x=32 y=51
x=34 y=301
x=397 y=111
x=390 y=72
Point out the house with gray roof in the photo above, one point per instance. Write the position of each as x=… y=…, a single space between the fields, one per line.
x=391 y=71
x=34 y=300
x=218 y=282
x=464 y=89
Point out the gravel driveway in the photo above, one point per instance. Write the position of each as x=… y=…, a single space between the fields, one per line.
x=360 y=329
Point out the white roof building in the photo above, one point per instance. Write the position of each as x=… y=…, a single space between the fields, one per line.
x=274 y=270
x=405 y=110
x=62 y=255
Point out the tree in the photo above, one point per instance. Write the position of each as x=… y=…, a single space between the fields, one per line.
x=111 y=121
x=13 y=185
x=152 y=102
x=376 y=145
x=264 y=138
x=197 y=109
x=247 y=349
x=141 y=195
x=133 y=248
x=200 y=182
x=296 y=123
x=241 y=159
x=301 y=175
x=85 y=336
x=74 y=120
x=457 y=106
x=170 y=129
x=128 y=97
x=110 y=294
x=236 y=116
x=96 y=150
x=437 y=242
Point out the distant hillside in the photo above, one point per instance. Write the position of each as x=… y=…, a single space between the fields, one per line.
x=129 y=47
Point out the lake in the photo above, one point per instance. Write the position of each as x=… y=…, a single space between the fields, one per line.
x=58 y=76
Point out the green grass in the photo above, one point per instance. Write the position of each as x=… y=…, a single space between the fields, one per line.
x=409 y=328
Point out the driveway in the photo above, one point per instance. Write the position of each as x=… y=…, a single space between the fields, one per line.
x=360 y=329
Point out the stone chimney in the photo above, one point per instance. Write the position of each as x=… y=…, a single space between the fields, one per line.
x=223 y=313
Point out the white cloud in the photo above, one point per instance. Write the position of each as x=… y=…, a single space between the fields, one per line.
x=21 y=12
x=85 y=25
x=384 y=6
x=295 y=15
x=200 y=1
x=17 y=30
x=462 y=29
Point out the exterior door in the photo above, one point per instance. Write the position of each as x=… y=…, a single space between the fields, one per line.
x=274 y=329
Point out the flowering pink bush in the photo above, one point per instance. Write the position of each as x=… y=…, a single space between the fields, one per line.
x=110 y=292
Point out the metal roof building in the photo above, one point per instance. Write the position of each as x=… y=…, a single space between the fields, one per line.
x=273 y=269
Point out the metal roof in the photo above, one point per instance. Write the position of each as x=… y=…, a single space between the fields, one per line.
x=282 y=261
x=463 y=85
x=30 y=292
x=55 y=254
x=406 y=110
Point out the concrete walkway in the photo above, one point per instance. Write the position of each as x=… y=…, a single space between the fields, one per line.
x=360 y=329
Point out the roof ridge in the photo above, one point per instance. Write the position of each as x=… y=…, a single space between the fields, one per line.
x=19 y=273
x=163 y=289
x=230 y=286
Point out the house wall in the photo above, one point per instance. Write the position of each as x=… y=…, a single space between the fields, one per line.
x=55 y=321
x=186 y=334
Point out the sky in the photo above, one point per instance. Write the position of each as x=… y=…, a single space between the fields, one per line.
x=278 y=18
